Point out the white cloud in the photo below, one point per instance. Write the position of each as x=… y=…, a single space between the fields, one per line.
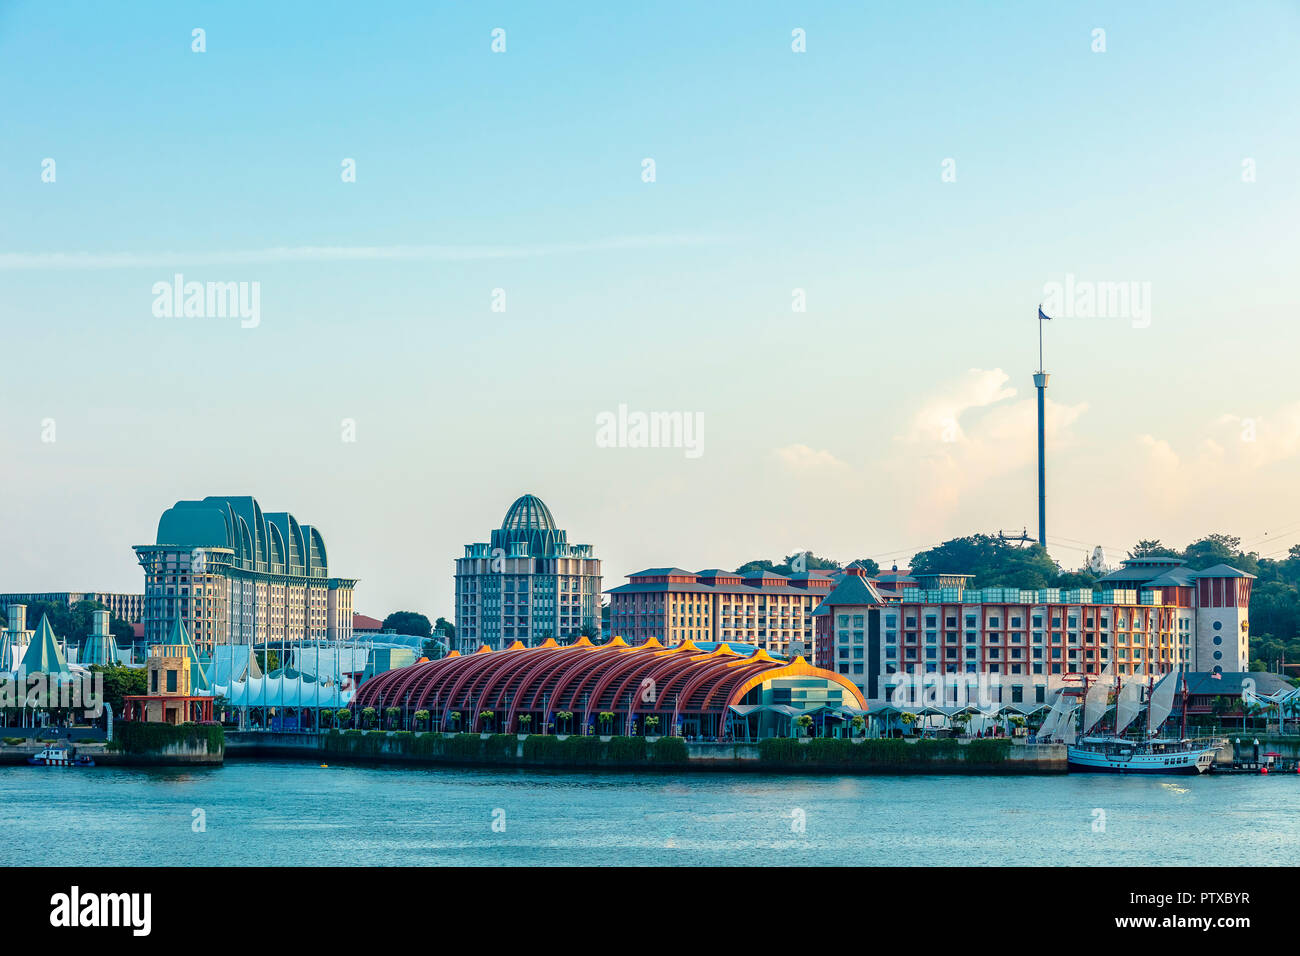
x=13 y=261
x=939 y=418
x=948 y=465
x=811 y=462
x=969 y=436
x=1233 y=452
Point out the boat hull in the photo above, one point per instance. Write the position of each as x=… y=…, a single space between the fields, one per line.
x=1190 y=762
x=59 y=758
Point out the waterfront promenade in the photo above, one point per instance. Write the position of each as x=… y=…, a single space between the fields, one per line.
x=815 y=755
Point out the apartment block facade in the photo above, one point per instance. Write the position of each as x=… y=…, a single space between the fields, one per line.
x=1149 y=618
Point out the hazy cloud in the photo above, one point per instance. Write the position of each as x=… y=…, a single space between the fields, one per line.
x=14 y=261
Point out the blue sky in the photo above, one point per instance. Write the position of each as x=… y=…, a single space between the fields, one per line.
x=521 y=171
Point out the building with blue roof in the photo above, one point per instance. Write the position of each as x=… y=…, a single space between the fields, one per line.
x=234 y=574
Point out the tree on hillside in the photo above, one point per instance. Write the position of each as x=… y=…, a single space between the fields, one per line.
x=1083 y=578
x=408 y=622
x=1152 y=548
x=1219 y=549
x=868 y=565
x=993 y=562
x=445 y=628
x=792 y=564
x=805 y=561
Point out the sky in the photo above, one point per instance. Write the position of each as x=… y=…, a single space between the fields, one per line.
x=832 y=261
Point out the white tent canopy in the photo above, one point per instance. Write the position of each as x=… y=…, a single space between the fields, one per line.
x=283 y=692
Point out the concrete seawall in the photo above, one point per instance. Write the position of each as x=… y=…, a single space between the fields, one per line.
x=808 y=756
x=172 y=755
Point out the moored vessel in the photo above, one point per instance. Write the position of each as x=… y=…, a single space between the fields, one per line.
x=59 y=757
x=1116 y=753
x=1119 y=755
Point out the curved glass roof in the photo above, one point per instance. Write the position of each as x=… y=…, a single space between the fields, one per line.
x=529 y=513
x=271 y=542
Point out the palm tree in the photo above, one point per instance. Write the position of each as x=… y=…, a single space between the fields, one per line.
x=487 y=717
x=344 y=717
x=908 y=719
x=391 y=714
x=605 y=718
x=368 y=717
x=455 y=720
x=565 y=717
x=524 y=721
x=859 y=724
x=422 y=719
x=803 y=722
x=326 y=717
x=651 y=725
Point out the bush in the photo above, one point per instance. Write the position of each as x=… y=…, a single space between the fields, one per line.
x=463 y=745
x=501 y=747
x=842 y=752
x=542 y=747
x=626 y=749
x=14 y=741
x=785 y=750
x=669 y=750
x=988 y=750
x=135 y=736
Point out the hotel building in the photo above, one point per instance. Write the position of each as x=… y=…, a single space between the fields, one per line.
x=233 y=574
x=1152 y=616
x=127 y=607
x=768 y=610
x=526 y=584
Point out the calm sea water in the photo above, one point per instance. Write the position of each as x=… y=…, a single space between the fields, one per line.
x=284 y=813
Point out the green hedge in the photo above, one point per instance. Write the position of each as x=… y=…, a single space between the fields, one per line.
x=988 y=750
x=888 y=752
x=669 y=750
x=501 y=747
x=627 y=750
x=572 y=750
x=138 y=737
x=463 y=745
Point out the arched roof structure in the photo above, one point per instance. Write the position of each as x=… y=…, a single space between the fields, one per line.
x=270 y=542
x=586 y=679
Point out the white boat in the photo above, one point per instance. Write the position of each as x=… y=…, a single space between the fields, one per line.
x=58 y=757
x=1115 y=753
x=1119 y=755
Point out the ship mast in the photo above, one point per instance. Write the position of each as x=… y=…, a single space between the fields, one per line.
x=1182 y=734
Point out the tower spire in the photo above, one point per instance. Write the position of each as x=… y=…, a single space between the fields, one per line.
x=1040 y=383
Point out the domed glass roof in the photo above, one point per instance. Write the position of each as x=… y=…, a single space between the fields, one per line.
x=529 y=513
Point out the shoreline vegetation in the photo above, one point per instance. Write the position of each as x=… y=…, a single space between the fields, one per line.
x=782 y=755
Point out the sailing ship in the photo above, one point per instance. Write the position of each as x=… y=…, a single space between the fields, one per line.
x=1146 y=751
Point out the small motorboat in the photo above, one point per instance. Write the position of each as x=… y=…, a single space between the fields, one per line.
x=59 y=757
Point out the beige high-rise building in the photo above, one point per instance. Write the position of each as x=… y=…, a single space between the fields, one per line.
x=236 y=575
